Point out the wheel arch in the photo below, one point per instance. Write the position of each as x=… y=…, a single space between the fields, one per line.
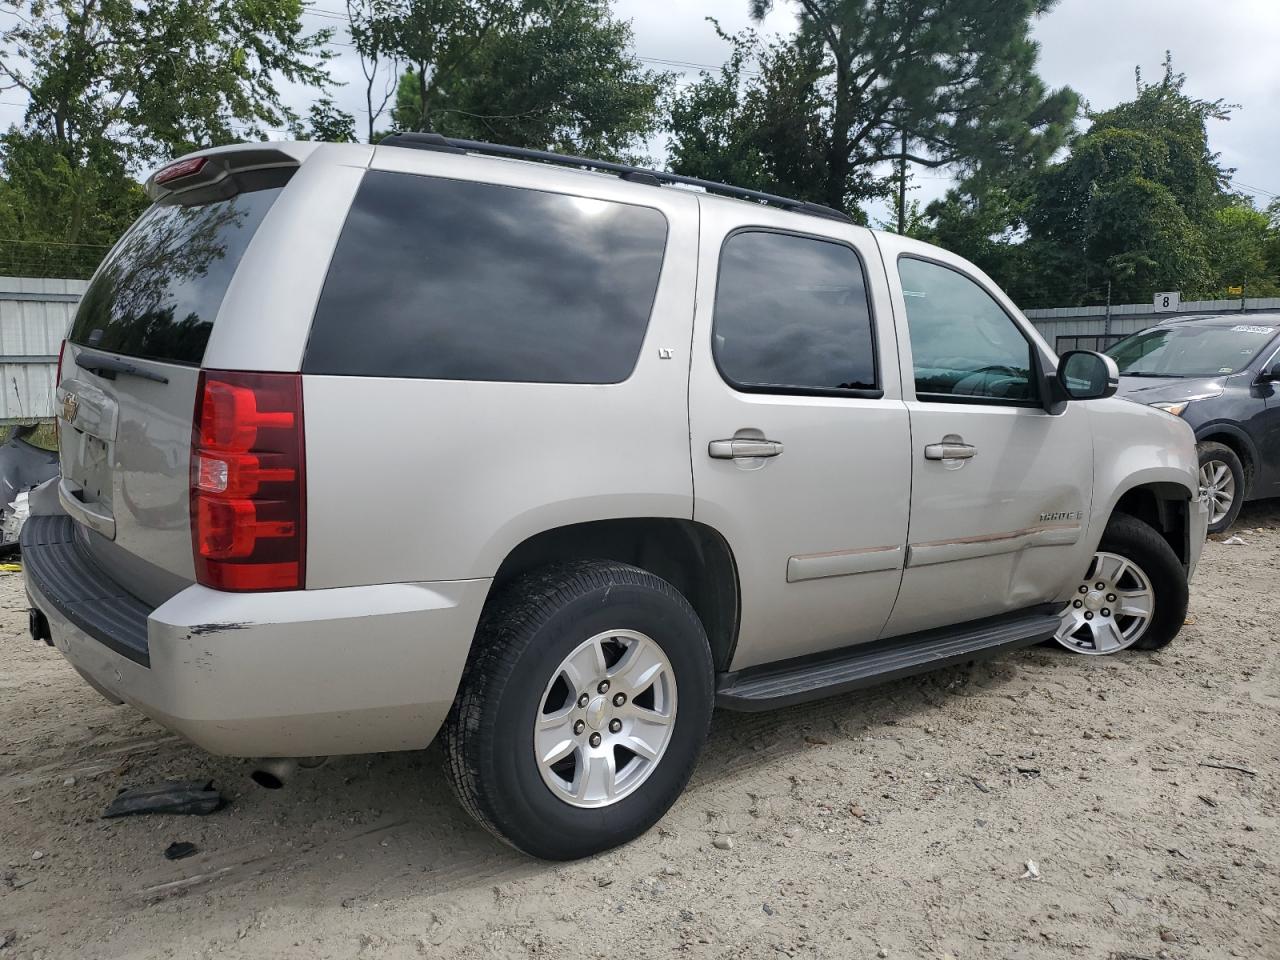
x=1230 y=435
x=693 y=557
x=1163 y=505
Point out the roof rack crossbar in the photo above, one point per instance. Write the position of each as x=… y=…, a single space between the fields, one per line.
x=434 y=141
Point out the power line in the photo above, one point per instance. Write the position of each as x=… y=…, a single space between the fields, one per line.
x=1265 y=193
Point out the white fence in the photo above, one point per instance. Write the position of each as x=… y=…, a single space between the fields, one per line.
x=34 y=317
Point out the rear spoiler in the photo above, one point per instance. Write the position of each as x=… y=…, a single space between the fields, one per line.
x=207 y=168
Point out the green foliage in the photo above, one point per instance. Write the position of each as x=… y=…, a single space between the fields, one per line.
x=161 y=77
x=325 y=122
x=59 y=219
x=942 y=82
x=556 y=74
x=1244 y=246
x=979 y=220
x=114 y=86
x=1140 y=204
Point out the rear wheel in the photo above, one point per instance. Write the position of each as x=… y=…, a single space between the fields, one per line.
x=1134 y=593
x=1222 y=477
x=582 y=710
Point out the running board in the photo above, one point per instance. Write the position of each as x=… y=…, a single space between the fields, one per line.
x=840 y=671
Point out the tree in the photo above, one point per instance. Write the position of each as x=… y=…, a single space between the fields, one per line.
x=325 y=121
x=1140 y=204
x=1241 y=241
x=759 y=128
x=114 y=86
x=935 y=83
x=1271 y=248
x=538 y=73
x=58 y=220
x=980 y=221
x=367 y=21
x=160 y=77
x=1132 y=203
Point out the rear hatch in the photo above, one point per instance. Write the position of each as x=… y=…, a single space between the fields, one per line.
x=131 y=367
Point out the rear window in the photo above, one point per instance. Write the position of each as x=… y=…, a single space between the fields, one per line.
x=159 y=293
x=452 y=280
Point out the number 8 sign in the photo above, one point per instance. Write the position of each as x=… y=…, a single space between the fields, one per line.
x=1167 y=302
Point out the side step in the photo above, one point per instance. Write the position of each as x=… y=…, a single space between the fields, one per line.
x=829 y=674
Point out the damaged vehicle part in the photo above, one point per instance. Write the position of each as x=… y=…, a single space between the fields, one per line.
x=23 y=465
x=193 y=797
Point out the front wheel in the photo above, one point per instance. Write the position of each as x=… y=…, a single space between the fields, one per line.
x=582 y=710
x=1222 y=478
x=1134 y=593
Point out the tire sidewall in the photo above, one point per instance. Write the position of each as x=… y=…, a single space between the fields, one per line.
x=1143 y=546
x=533 y=817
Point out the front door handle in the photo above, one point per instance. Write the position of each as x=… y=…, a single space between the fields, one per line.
x=950 y=451
x=743 y=449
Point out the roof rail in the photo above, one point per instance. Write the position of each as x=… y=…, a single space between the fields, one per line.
x=434 y=141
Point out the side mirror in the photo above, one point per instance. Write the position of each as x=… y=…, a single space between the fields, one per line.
x=1085 y=375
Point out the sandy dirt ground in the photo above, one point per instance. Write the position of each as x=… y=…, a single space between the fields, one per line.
x=897 y=823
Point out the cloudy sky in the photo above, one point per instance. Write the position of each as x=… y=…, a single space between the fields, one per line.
x=1228 y=49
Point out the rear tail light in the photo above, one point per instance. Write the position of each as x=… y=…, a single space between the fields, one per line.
x=62 y=351
x=248 y=481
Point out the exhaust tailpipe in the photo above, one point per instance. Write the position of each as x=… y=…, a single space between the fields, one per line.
x=275 y=772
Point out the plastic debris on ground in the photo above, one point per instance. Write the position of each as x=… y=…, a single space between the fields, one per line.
x=179 y=850
x=198 y=797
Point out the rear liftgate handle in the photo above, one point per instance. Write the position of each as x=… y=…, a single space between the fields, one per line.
x=743 y=449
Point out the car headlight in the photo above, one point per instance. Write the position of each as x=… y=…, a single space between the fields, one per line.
x=1174 y=408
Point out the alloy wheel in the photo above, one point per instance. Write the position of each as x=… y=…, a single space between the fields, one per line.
x=1219 y=483
x=605 y=718
x=1112 y=609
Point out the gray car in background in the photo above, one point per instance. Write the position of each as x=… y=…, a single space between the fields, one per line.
x=362 y=446
x=1220 y=374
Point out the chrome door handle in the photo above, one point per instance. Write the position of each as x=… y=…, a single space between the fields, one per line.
x=950 y=451
x=743 y=449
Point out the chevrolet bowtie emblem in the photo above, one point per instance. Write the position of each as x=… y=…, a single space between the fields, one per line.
x=70 y=403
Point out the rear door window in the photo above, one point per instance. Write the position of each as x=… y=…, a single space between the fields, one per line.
x=454 y=280
x=792 y=316
x=159 y=293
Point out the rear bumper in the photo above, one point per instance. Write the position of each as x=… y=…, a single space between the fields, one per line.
x=298 y=673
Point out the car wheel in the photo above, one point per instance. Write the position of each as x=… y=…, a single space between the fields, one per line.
x=582 y=710
x=1222 y=477
x=1134 y=593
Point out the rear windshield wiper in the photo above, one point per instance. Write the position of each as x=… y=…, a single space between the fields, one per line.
x=109 y=367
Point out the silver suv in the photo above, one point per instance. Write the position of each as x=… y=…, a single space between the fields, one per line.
x=362 y=445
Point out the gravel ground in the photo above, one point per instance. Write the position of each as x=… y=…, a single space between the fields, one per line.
x=898 y=823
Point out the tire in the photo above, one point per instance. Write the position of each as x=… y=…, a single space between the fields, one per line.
x=1233 y=483
x=1133 y=559
x=518 y=667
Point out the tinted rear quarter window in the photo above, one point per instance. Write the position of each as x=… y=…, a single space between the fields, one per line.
x=454 y=280
x=792 y=315
x=159 y=294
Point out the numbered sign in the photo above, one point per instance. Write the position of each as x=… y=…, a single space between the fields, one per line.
x=1168 y=302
